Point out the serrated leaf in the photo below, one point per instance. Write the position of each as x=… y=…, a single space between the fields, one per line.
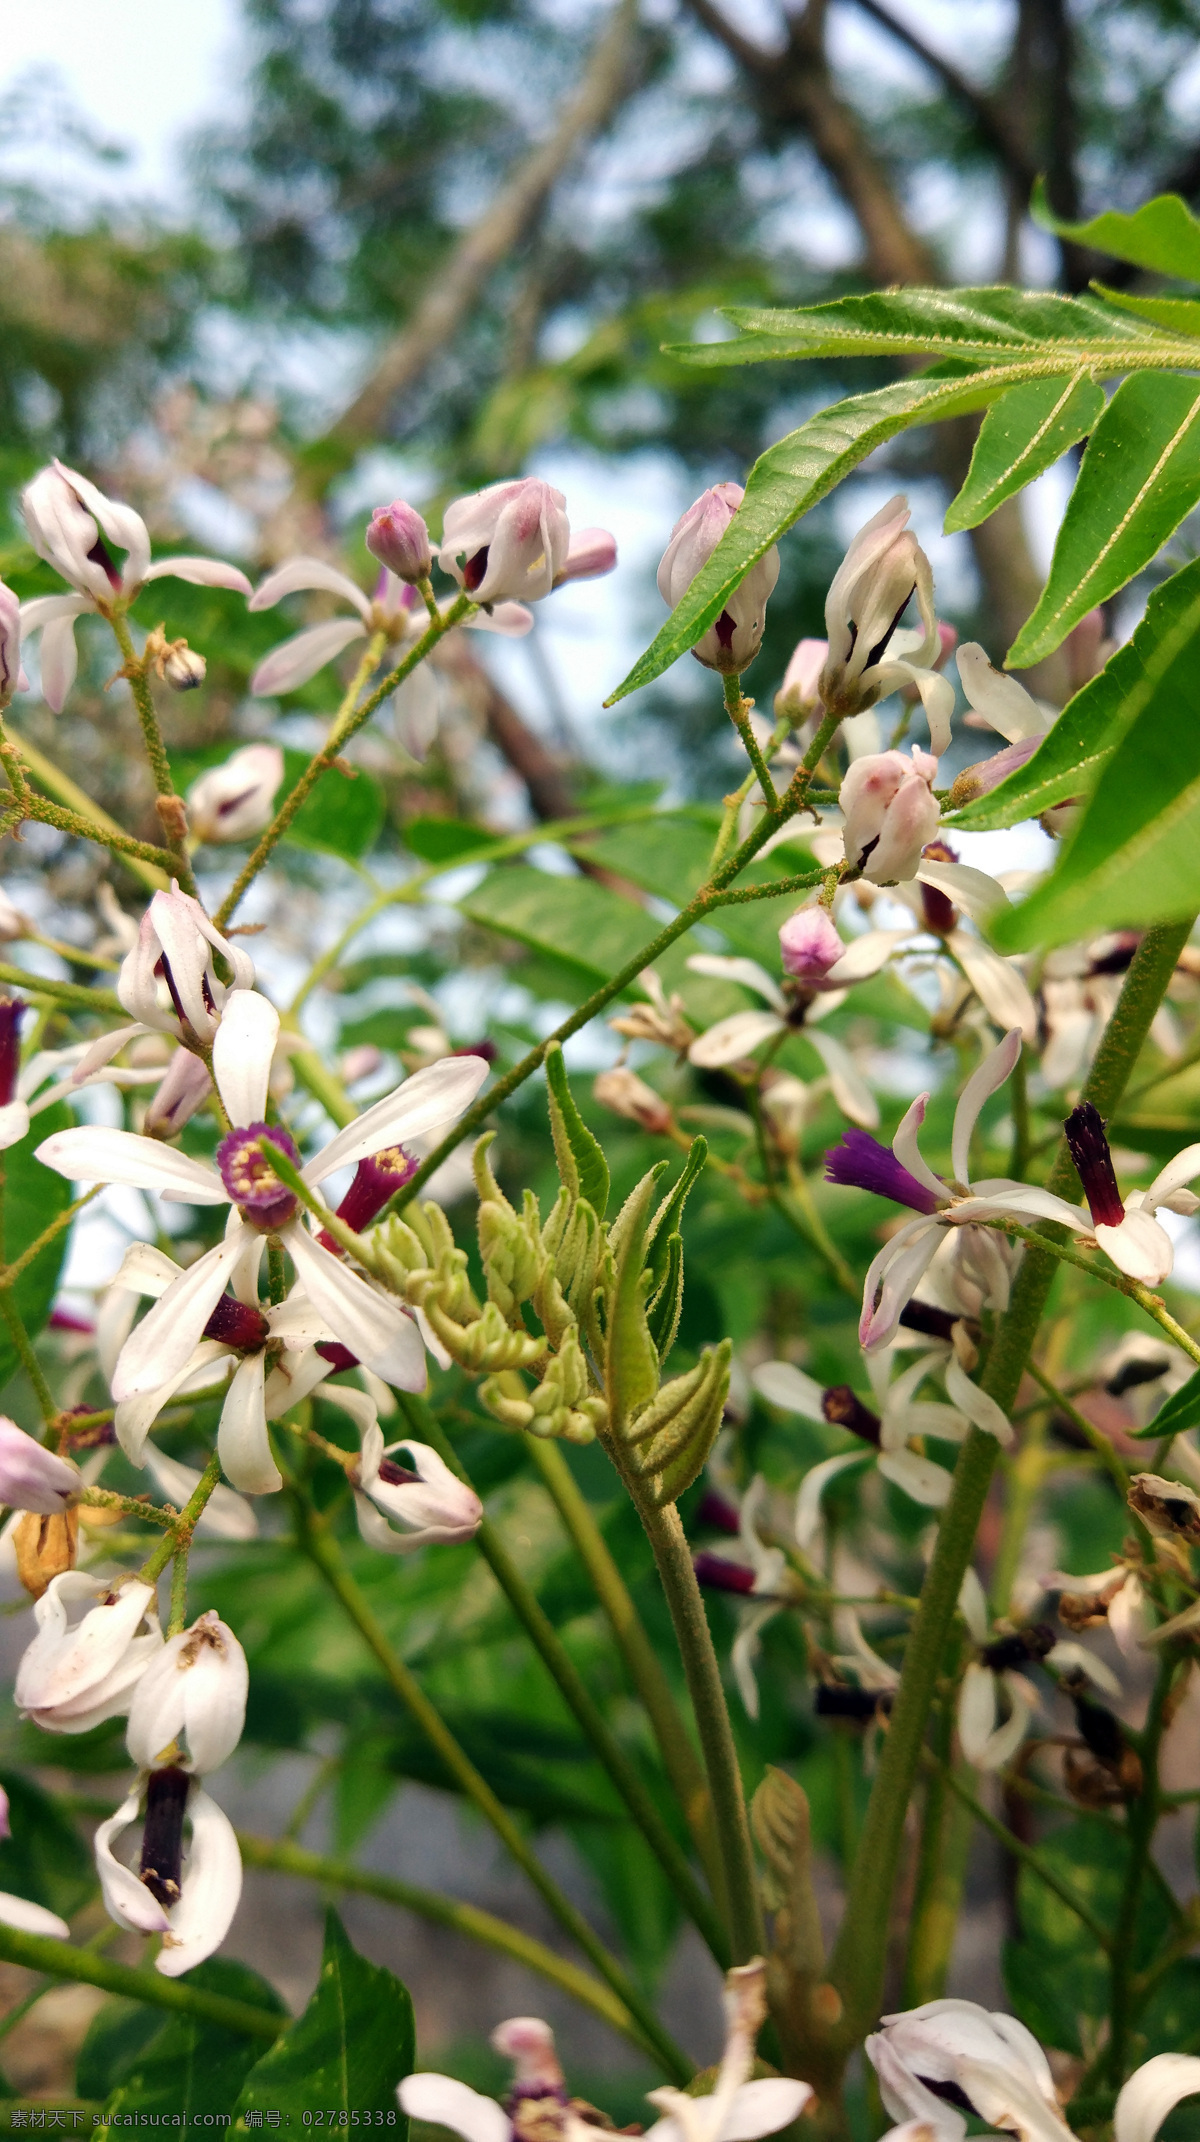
x=349 y=2049
x=791 y=476
x=1022 y=435
x=1140 y=476
x=1163 y=234
x=1134 y=858
x=666 y=1307
x=1180 y=316
x=995 y=319
x=581 y=1162
x=1070 y=760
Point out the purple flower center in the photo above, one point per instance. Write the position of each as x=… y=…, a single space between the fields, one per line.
x=238 y=1324
x=717 y=1514
x=12 y=1011
x=397 y=1475
x=251 y=1182
x=376 y=1180
x=474 y=570
x=162 y=1836
x=938 y=911
x=861 y=1163
x=718 y=1574
x=1093 y=1165
x=339 y=1356
x=100 y=555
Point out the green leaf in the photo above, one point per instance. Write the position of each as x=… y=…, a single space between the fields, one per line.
x=343 y=815
x=33 y=1196
x=117 y=2036
x=1179 y=315
x=1182 y=1410
x=1021 y=436
x=575 y=918
x=792 y=476
x=1140 y=476
x=44 y=1858
x=1091 y=725
x=446 y=840
x=349 y=2049
x=1036 y=324
x=1134 y=858
x=581 y=1162
x=1040 y=1997
x=631 y=1378
x=1092 y=1858
x=1163 y=234
x=188 y=2068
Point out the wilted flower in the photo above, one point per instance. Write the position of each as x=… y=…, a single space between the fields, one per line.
x=629 y=1096
x=890 y=810
x=71 y=525
x=398 y=537
x=868 y=656
x=733 y=641
x=399 y=1509
x=235 y=801
x=75 y=1675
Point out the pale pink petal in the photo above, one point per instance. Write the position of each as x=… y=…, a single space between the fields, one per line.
x=908 y=1152
x=510 y=619
x=372 y=1325
x=1139 y=1247
x=91 y=1154
x=60 y=660
x=738 y=1035
x=867 y=954
x=973 y=890
x=200 y=573
x=982 y=1084
x=47 y=609
x=898 y=1270
x=847 y=1084
x=725 y=967
x=997 y=982
x=294 y=661
x=443 y=2102
x=301 y=573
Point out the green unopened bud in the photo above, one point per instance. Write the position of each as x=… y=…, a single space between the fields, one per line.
x=670 y=1438
x=486 y=1344
x=506 y=1399
x=511 y=1249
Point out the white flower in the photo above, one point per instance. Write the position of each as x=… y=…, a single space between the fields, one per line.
x=32 y=1477
x=904 y=1175
x=12 y=676
x=743 y=1032
x=1126 y=1229
x=372 y=1325
x=800 y=691
x=986 y=1743
x=399 y=1509
x=890 y=813
x=189 y=1706
x=225 y=1516
x=75 y=1675
x=71 y=525
x=168 y=982
x=733 y=641
x=868 y=657
x=1115 y=1597
x=736 y=2110
x=1154 y=2090
x=194 y=1898
x=235 y=801
x=83 y=1064
x=989 y=2059
x=999 y=701
x=31 y=1918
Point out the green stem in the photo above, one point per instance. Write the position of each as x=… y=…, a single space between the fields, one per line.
x=858 y=1960
x=323 y=1551
x=179 y=1539
x=1143 y=1819
x=1030 y=1857
x=642 y=1663
x=1117 y=1471
x=460 y=1918
x=25 y=1354
x=67 y=791
x=156 y=751
x=739 y=715
x=73 y=995
x=59 y=1959
x=664 y=1529
x=54 y=814
x=574 y=1691
x=941 y=1867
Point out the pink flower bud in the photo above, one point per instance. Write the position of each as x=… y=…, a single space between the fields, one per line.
x=235 y=801
x=183 y=669
x=882 y=569
x=809 y=945
x=732 y=643
x=508 y=542
x=11 y=675
x=890 y=811
x=32 y=1477
x=593 y=552
x=399 y=539
x=799 y=693
x=185 y=1088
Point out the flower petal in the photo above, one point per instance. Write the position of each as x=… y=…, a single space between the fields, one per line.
x=918 y=1478
x=442 y=2102
x=897 y=1272
x=722 y=967
x=850 y=1089
x=372 y=1325
x=782 y=1384
x=510 y=619
x=212 y=1887
x=973 y=890
x=31 y=1918
x=908 y=1152
x=997 y=982
x=164 y=1339
x=60 y=660
x=738 y=1035
x=243 y=1445
x=302 y=573
x=135 y=1417
x=90 y=1154
x=1183 y=1169
x=294 y=661
x=807 y=1520
x=126 y=1900
x=225 y=1515
x=430 y=1101
x=761 y=2108
x=1152 y=2092
x=14 y=1123
x=981 y=1410
x=976 y=1711
x=199 y=573
x=242 y=1050
x=982 y=1084
x=1139 y=1247
x=867 y=954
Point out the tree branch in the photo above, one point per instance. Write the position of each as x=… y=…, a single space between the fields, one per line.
x=990 y=117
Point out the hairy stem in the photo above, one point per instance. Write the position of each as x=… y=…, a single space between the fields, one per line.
x=58 y=1959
